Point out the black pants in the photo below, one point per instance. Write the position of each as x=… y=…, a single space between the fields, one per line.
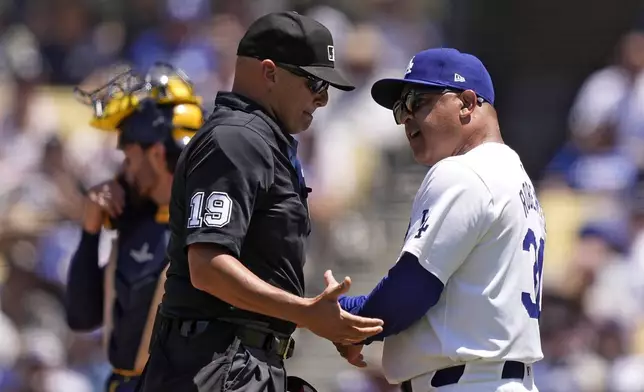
x=208 y=359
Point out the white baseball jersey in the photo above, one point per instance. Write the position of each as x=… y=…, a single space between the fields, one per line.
x=478 y=227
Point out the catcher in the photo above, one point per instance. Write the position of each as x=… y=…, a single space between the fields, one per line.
x=155 y=116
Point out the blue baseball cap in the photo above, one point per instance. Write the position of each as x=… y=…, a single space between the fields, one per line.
x=148 y=124
x=440 y=67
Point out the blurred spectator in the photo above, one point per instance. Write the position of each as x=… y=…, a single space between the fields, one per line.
x=27 y=118
x=609 y=108
x=52 y=192
x=226 y=32
x=180 y=40
x=73 y=46
x=561 y=318
x=406 y=29
x=9 y=349
x=606 y=123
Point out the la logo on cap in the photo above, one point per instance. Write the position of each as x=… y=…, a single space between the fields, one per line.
x=410 y=66
x=331 y=52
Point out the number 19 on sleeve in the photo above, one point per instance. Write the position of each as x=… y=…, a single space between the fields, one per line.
x=218 y=210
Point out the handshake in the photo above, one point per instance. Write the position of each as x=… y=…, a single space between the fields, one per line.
x=328 y=320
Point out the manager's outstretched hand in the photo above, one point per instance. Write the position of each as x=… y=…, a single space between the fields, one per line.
x=325 y=318
x=352 y=353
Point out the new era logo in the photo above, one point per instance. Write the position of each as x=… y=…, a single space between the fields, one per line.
x=331 y=52
x=458 y=78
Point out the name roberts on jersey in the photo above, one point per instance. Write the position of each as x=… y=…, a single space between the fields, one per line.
x=530 y=202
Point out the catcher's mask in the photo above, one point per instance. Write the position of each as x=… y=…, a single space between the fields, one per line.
x=296 y=384
x=159 y=106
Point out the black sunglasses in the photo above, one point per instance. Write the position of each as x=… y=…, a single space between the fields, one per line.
x=409 y=103
x=316 y=85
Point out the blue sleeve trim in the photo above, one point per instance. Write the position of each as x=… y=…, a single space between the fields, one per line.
x=400 y=299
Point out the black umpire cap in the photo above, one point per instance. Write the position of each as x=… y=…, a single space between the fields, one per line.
x=297 y=40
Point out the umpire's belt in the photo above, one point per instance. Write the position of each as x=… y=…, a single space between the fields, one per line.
x=452 y=375
x=283 y=346
x=266 y=340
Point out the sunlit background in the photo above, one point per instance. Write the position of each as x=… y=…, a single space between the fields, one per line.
x=569 y=78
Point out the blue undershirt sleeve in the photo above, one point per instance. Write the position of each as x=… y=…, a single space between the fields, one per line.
x=400 y=299
x=84 y=292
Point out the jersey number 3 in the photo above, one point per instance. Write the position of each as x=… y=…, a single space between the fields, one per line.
x=217 y=210
x=530 y=242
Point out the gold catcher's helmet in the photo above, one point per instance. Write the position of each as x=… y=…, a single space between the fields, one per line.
x=129 y=94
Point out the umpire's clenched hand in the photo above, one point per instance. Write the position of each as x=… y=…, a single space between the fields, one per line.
x=108 y=197
x=324 y=316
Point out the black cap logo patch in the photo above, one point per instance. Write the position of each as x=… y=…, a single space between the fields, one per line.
x=331 y=52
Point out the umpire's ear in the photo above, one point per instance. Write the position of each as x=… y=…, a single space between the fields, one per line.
x=296 y=384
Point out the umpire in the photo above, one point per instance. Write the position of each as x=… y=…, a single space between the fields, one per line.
x=239 y=219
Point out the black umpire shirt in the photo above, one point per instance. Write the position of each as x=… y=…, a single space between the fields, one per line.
x=238 y=185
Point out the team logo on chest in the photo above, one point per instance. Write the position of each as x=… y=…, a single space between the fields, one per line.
x=142 y=255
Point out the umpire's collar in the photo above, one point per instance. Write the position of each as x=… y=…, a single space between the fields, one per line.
x=243 y=103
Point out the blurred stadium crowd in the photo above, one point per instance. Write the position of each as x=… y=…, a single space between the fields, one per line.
x=354 y=157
